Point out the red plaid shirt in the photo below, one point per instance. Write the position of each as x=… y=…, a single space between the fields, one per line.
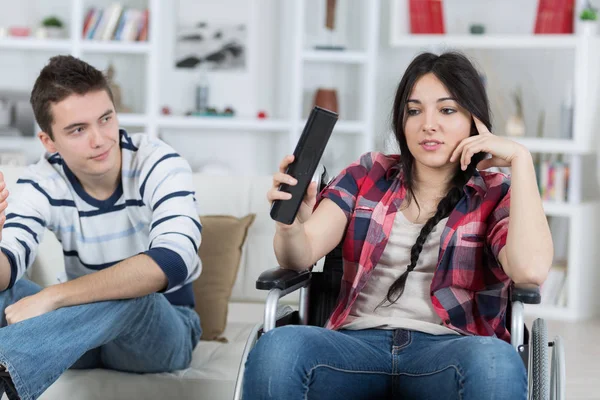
x=469 y=290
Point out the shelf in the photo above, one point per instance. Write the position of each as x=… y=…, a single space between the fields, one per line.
x=133 y=119
x=12 y=143
x=488 y=41
x=343 y=127
x=343 y=56
x=224 y=123
x=558 y=209
x=28 y=43
x=115 y=47
x=557 y=146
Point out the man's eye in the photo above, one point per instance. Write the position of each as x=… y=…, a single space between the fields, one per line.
x=106 y=119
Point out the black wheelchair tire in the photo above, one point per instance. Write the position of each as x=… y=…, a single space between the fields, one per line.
x=540 y=385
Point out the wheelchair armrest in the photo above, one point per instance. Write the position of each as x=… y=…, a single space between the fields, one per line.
x=526 y=293
x=282 y=279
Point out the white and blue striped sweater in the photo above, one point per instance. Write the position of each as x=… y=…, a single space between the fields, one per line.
x=153 y=211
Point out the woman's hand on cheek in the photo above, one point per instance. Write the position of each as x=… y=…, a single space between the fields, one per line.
x=503 y=151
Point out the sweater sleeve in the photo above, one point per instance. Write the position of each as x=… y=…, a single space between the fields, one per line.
x=175 y=230
x=27 y=215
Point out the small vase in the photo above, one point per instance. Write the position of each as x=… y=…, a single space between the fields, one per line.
x=515 y=126
x=327 y=99
x=587 y=28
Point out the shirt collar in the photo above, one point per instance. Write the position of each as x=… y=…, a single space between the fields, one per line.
x=475 y=185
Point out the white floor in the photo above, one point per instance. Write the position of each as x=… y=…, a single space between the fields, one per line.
x=582 y=353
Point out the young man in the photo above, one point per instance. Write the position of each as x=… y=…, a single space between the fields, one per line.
x=124 y=210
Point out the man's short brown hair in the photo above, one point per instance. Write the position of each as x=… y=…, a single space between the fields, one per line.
x=60 y=78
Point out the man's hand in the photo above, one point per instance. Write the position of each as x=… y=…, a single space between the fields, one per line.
x=29 y=307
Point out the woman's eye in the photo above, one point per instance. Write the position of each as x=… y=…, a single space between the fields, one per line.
x=412 y=111
x=448 y=111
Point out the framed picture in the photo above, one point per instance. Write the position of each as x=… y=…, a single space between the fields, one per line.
x=211 y=38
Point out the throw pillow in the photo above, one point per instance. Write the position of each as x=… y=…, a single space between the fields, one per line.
x=220 y=252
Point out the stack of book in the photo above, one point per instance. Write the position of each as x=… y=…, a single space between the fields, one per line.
x=116 y=22
x=553 y=178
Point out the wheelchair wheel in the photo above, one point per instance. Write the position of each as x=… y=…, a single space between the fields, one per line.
x=539 y=386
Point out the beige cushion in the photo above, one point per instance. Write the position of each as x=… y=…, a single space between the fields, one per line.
x=220 y=253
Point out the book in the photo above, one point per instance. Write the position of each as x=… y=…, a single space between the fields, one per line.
x=426 y=16
x=554 y=17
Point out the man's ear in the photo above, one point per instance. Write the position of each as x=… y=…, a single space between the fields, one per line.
x=47 y=142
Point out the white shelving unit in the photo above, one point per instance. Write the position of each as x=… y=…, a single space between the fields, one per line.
x=582 y=251
x=153 y=122
x=363 y=59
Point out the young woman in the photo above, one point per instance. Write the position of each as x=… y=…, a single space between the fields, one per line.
x=429 y=249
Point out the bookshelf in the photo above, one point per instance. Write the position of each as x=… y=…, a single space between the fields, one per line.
x=358 y=63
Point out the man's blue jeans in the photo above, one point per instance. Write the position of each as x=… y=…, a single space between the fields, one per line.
x=306 y=362
x=146 y=334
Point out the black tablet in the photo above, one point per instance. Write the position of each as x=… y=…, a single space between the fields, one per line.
x=307 y=155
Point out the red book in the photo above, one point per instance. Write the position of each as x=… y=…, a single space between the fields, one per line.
x=88 y=18
x=555 y=16
x=143 y=35
x=426 y=16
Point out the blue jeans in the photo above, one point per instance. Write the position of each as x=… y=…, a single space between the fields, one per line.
x=307 y=362
x=142 y=335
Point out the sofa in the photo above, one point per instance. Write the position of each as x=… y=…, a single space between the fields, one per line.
x=215 y=363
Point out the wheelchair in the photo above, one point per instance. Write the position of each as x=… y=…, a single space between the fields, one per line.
x=318 y=297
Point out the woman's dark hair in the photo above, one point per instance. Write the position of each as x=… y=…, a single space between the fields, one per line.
x=463 y=82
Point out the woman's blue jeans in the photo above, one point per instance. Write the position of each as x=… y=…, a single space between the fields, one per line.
x=306 y=362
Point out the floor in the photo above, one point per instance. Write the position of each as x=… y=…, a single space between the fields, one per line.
x=582 y=353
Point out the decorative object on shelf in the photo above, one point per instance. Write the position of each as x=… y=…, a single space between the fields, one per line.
x=261 y=115
x=166 y=110
x=116 y=91
x=426 y=16
x=202 y=89
x=5 y=111
x=330 y=39
x=326 y=98
x=17 y=109
x=515 y=125
x=566 y=114
x=19 y=31
x=3 y=32
x=52 y=28
x=555 y=16
x=219 y=47
x=587 y=23
x=212 y=112
x=477 y=29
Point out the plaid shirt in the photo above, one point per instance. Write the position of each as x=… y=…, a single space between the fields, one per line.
x=469 y=290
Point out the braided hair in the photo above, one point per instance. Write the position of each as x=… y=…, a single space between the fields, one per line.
x=462 y=80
